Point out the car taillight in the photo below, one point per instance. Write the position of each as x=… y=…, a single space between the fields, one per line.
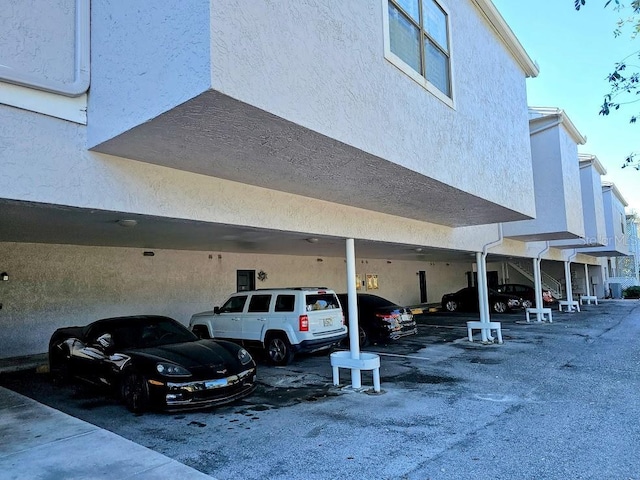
x=387 y=318
x=304 y=323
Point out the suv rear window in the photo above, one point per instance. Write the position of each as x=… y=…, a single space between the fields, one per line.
x=285 y=303
x=324 y=301
x=259 y=303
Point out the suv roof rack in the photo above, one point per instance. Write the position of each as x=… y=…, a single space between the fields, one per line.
x=291 y=288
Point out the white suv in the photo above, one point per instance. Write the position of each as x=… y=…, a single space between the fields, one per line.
x=282 y=321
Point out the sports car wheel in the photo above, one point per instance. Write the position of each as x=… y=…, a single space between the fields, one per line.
x=527 y=304
x=59 y=366
x=499 y=306
x=135 y=392
x=364 y=338
x=451 y=306
x=279 y=350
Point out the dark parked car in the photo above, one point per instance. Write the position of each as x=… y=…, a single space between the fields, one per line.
x=153 y=362
x=379 y=319
x=467 y=300
x=527 y=293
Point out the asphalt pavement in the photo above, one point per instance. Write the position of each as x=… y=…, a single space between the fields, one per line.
x=555 y=401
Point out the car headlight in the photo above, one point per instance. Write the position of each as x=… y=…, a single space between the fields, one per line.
x=244 y=356
x=171 y=370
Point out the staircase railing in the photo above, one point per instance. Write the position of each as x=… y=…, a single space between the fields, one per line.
x=548 y=282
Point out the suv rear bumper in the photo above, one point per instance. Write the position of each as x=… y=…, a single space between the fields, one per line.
x=310 y=346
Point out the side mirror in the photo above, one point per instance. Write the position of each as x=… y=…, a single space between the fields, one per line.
x=216 y=310
x=105 y=341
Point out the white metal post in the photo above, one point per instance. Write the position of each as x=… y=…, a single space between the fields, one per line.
x=354 y=337
x=483 y=293
x=567 y=277
x=586 y=279
x=538 y=288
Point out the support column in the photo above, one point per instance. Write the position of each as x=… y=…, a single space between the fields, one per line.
x=483 y=294
x=354 y=337
x=586 y=280
x=567 y=277
x=537 y=280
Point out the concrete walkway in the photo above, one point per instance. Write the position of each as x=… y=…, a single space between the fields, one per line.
x=38 y=442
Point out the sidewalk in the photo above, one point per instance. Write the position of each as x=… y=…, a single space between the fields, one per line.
x=38 y=442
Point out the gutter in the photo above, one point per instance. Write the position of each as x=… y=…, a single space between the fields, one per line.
x=81 y=80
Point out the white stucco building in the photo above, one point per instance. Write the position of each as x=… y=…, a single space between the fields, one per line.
x=155 y=156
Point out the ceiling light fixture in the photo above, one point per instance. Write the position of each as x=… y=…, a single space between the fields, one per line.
x=312 y=240
x=127 y=222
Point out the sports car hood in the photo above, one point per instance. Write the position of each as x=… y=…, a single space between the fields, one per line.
x=202 y=353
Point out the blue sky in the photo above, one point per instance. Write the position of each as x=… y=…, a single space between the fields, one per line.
x=575 y=51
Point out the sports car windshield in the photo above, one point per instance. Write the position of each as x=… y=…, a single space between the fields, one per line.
x=152 y=332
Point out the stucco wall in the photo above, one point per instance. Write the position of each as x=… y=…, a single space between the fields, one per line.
x=571 y=183
x=146 y=58
x=60 y=285
x=55 y=167
x=324 y=68
x=593 y=206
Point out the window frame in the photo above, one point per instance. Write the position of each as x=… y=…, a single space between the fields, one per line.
x=396 y=61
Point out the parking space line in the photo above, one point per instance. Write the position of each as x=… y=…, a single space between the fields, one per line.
x=399 y=355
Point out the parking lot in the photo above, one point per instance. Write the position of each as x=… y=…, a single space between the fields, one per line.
x=554 y=401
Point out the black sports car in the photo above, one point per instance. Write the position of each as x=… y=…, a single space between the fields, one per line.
x=153 y=362
x=379 y=319
x=467 y=299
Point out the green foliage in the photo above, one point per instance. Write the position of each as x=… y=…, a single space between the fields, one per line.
x=624 y=81
x=631 y=292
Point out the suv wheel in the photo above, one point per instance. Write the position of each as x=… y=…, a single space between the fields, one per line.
x=279 y=349
x=499 y=306
x=451 y=305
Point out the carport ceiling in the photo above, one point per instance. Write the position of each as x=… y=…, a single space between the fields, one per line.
x=43 y=223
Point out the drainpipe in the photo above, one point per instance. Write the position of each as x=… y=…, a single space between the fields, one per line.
x=483 y=289
x=80 y=82
x=537 y=278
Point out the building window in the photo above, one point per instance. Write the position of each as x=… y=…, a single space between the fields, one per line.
x=419 y=36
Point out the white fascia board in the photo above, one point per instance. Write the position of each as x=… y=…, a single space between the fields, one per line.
x=612 y=186
x=587 y=160
x=507 y=36
x=536 y=124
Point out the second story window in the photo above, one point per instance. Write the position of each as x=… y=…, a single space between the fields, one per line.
x=419 y=36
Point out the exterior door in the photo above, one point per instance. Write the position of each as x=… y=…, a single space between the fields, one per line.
x=245 y=280
x=423 y=286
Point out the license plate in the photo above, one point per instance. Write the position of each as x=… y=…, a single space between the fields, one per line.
x=327 y=322
x=221 y=382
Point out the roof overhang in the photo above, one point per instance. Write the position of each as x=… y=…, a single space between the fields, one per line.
x=587 y=160
x=544 y=118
